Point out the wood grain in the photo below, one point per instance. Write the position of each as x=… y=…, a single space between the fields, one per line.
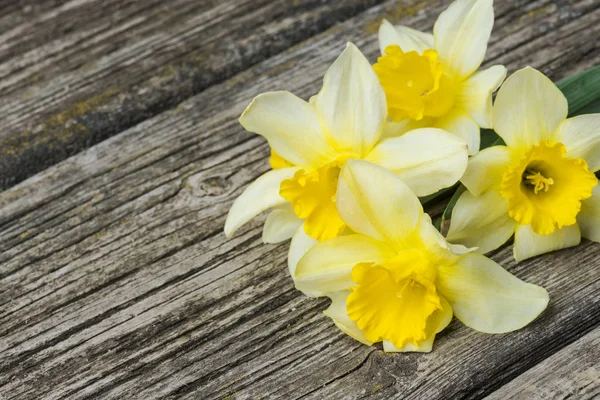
x=80 y=72
x=573 y=372
x=117 y=282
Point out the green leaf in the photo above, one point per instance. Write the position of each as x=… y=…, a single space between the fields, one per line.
x=591 y=108
x=489 y=138
x=428 y=199
x=448 y=211
x=442 y=223
x=582 y=90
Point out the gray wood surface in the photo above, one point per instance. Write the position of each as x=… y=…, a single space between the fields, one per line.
x=79 y=72
x=116 y=280
x=572 y=373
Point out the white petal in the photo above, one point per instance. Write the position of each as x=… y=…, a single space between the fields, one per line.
x=407 y=38
x=581 y=137
x=461 y=124
x=261 y=195
x=352 y=105
x=427 y=159
x=475 y=94
x=487 y=298
x=485 y=169
x=481 y=221
x=373 y=201
x=588 y=218
x=281 y=224
x=530 y=244
x=441 y=319
x=327 y=267
x=338 y=313
x=461 y=34
x=528 y=109
x=290 y=125
x=300 y=245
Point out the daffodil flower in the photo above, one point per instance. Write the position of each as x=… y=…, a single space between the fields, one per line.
x=540 y=186
x=311 y=141
x=432 y=80
x=397 y=280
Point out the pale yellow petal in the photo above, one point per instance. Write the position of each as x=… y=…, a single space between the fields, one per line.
x=407 y=38
x=443 y=317
x=337 y=312
x=299 y=246
x=327 y=266
x=530 y=244
x=436 y=244
x=351 y=105
x=462 y=125
x=425 y=347
x=581 y=137
x=486 y=297
x=261 y=195
x=588 y=218
x=393 y=129
x=481 y=221
x=375 y=202
x=281 y=224
x=426 y=159
x=290 y=125
x=485 y=169
x=475 y=94
x=528 y=109
x=461 y=34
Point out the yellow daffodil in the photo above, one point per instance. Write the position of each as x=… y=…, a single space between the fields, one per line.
x=432 y=80
x=311 y=141
x=397 y=280
x=541 y=185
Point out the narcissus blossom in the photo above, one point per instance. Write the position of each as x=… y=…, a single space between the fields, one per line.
x=311 y=141
x=540 y=186
x=432 y=80
x=397 y=280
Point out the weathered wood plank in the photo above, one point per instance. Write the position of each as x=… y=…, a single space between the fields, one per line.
x=573 y=372
x=80 y=72
x=116 y=281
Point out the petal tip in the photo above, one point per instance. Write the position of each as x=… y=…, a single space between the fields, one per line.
x=246 y=111
x=355 y=54
x=532 y=71
x=385 y=23
x=230 y=226
x=254 y=103
x=228 y=230
x=351 y=46
x=266 y=240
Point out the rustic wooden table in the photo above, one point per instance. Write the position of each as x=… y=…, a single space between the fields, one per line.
x=120 y=154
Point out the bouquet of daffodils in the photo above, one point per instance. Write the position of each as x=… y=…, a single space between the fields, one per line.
x=349 y=166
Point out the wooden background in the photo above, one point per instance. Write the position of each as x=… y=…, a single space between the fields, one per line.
x=120 y=155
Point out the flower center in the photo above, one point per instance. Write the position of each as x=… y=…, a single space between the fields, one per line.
x=538 y=181
x=312 y=195
x=415 y=85
x=544 y=188
x=395 y=300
